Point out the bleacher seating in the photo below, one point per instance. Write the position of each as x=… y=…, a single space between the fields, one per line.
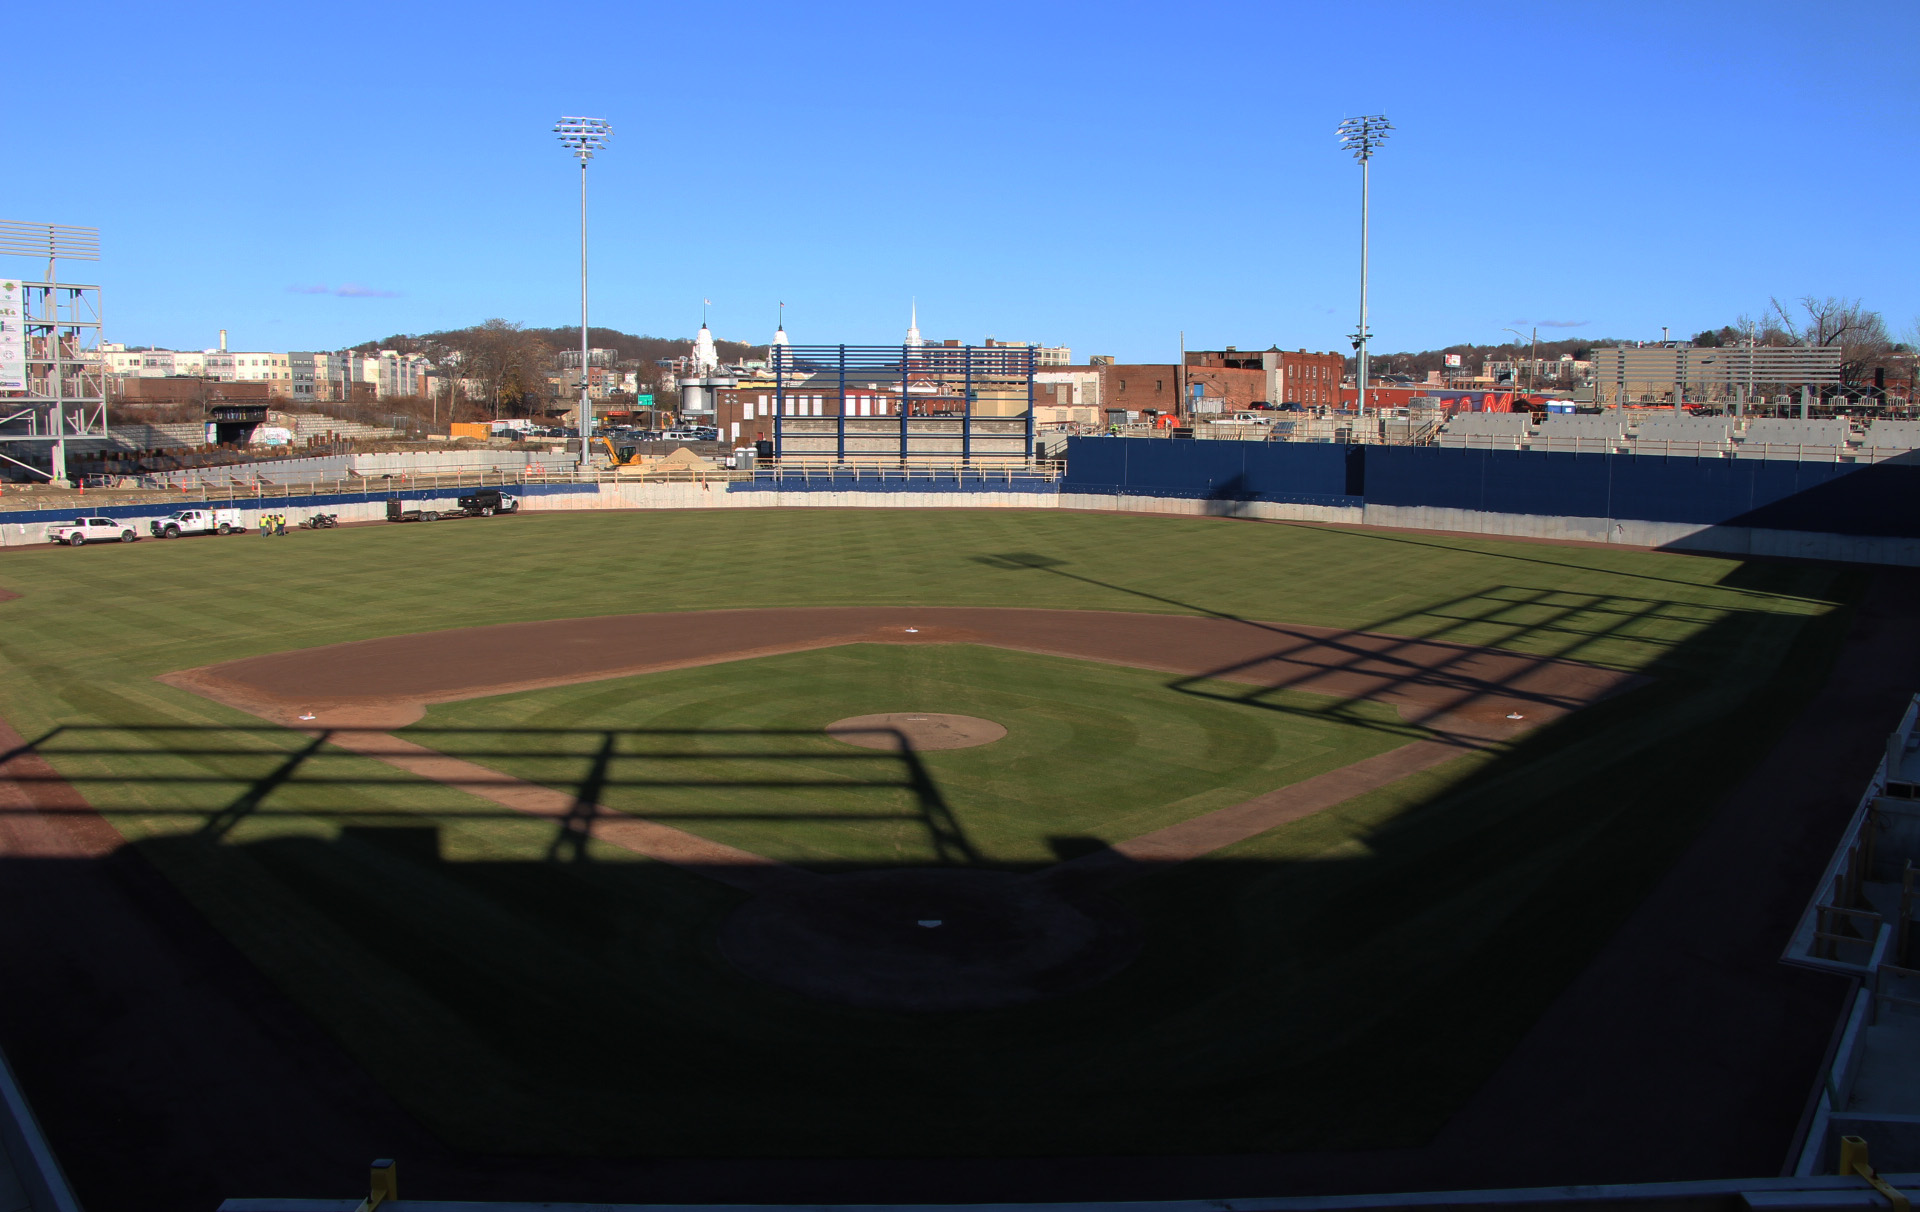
x=1683 y=435
x=1792 y=439
x=1580 y=434
x=1885 y=439
x=1487 y=430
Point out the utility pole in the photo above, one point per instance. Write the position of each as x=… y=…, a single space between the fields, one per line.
x=1180 y=402
x=1362 y=136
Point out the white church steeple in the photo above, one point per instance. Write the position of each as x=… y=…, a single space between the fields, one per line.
x=706 y=359
x=913 y=326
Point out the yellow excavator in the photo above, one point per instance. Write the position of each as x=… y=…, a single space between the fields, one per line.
x=625 y=456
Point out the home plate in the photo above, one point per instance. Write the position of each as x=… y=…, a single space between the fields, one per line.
x=1514 y=715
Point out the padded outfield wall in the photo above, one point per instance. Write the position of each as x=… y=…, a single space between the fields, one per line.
x=1867 y=512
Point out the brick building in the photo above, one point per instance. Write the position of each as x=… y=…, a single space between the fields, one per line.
x=1138 y=386
x=1238 y=378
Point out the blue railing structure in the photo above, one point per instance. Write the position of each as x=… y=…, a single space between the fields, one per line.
x=935 y=380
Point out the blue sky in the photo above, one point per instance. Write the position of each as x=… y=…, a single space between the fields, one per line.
x=1102 y=176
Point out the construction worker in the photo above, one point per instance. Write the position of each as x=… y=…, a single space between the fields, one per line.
x=280 y=524
x=266 y=525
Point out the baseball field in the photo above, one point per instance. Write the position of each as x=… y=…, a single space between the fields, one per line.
x=895 y=833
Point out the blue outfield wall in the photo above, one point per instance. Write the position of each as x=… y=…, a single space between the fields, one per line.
x=1875 y=500
x=1294 y=473
x=1867 y=499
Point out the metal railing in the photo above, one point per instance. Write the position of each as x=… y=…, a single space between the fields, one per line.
x=220 y=485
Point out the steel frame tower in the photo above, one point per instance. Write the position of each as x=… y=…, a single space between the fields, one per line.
x=61 y=392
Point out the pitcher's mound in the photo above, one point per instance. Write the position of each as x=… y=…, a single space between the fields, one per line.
x=920 y=729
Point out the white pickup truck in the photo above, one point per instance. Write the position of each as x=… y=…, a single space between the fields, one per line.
x=81 y=531
x=198 y=521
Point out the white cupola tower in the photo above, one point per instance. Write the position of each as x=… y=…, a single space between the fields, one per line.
x=706 y=359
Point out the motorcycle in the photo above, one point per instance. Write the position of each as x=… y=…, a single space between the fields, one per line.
x=321 y=521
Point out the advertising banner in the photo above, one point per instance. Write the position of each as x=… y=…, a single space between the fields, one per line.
x=13 y=336
x=1453 y=359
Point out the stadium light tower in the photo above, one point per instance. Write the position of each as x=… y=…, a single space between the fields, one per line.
x=1363 y=136
x=583 y=137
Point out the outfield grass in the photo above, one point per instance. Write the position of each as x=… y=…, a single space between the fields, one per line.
x=734 y=752
x=1401 y=942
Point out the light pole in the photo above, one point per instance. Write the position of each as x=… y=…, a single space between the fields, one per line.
x=1532 y=358
x=583 y=137
x=1361 y=136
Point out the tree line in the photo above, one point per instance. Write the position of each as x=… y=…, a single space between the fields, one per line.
x=511 y=363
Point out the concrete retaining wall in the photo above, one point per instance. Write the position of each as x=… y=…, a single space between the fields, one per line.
x=408 y=462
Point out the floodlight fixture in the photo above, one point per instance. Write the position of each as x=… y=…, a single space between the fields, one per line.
x=1363 y=136
x=583 y=136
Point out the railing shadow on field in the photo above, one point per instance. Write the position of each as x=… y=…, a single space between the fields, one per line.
x=605 y=762
x=1430 y=651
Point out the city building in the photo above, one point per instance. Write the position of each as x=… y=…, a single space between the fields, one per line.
x=1231 y=379
x=1139 y=386
x=1676 y=373
x=569 y=359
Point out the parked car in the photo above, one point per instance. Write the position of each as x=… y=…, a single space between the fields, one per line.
x=82 y=531
x=197 y=521
x=486 y=502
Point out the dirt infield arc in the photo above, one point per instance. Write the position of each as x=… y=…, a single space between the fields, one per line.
x=388 y=683
x=1456 y=697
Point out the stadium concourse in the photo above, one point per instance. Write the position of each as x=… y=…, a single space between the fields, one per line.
x=1673 y=1063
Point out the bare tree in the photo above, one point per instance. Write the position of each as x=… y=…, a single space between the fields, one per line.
x=1860 y=335
x=510 y=361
